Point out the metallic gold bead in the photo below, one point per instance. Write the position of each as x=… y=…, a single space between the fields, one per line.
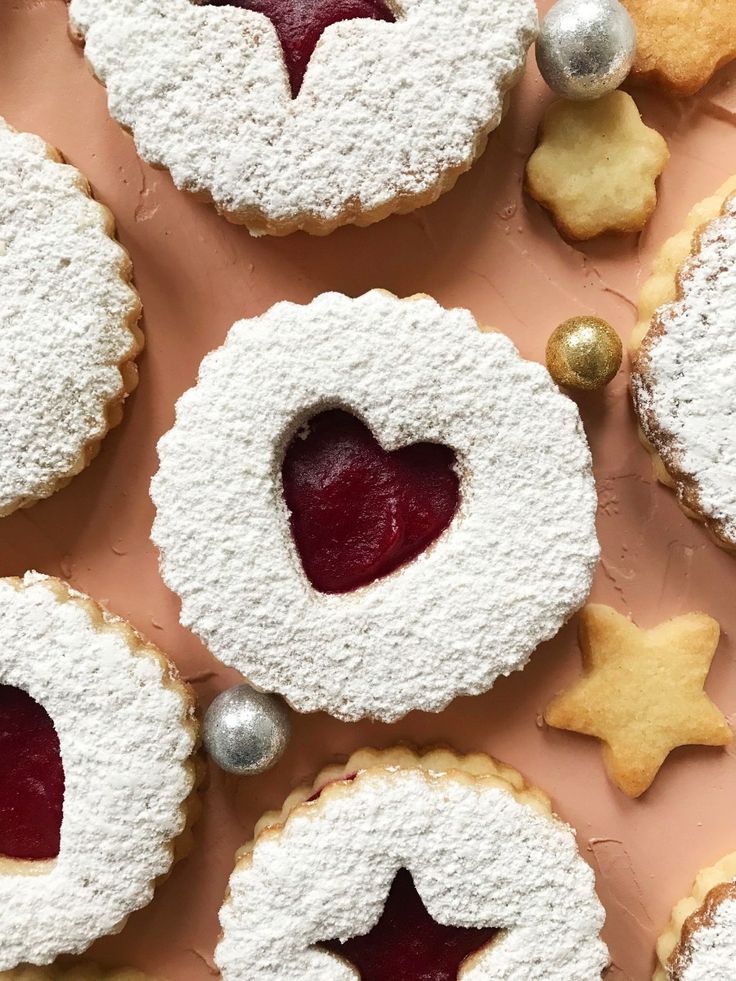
x=584 y=353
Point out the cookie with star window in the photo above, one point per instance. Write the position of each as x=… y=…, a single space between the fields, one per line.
x=403 y=866
x=290 y=115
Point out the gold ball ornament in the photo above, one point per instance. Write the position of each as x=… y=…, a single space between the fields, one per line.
x=584 y=353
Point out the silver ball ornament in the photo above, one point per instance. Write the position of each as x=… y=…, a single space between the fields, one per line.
x=586 y=48
x=245 y=731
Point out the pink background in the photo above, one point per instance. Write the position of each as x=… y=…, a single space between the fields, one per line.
x=485 y=246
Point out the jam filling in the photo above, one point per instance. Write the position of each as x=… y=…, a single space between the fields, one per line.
x=31 y=778
x=357 y=511
x=407 y=944
x=299 y=25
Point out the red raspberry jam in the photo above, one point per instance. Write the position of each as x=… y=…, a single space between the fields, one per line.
x=407 y=944
x=357 y=511
x=300 y=24
x=31 y=778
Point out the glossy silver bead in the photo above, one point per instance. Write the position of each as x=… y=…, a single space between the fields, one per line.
x=586 y=48
x=245 y=731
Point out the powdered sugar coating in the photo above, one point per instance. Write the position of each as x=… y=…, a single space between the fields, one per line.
x=478 y=856
x=710 y=953
x=66 y=313
x=684 y=382
x=516 y=562
x=126 y=734
x=388 y=115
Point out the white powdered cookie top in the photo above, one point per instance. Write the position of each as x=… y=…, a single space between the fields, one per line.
x=710 y=954
x=478 y=857
x=64 y=312
x=515 y=563
x=685 y=381
x=385 y=112
x=125 y=734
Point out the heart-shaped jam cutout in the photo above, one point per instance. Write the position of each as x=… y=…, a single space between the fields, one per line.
x=300 y=24
x=357 y=511
x=31 y=778
x=406 y=944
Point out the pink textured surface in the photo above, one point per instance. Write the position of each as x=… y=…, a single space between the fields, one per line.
x=484 y=246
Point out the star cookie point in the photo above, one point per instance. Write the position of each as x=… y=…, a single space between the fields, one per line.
x=641 y=692
x=596 y=166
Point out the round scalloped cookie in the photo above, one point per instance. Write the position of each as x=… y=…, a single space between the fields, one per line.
x=483 y=849
x=514 y=564
x=126 y=734
x=68 y=321
x=684 y=369
x=700 y=942
x=387 y=118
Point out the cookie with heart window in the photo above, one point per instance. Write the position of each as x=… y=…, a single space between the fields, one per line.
x=97 y=774
x=403 y=866
x=68 y=321
x=293 y=115
x=370 y=506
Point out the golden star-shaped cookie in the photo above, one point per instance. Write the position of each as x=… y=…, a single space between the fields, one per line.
x=641 y=692
x=681 y=43
x=596 y=166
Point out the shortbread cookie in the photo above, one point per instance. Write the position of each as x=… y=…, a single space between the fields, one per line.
x=642 y=693
x=397 y=101
x=457 y=853
x=77 y=972
x=700 y=942
x=68 y=316
x=121 y=732
x=681 y=43
x=596 y=166
x=684 y=374
x=506 y=503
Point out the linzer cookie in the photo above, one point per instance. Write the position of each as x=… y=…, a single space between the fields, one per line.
x=308 y=116
x=96 y=739
x=402 y=866
x=369 y=506
x=700 y=942
x=684 y=375
x=68 y=316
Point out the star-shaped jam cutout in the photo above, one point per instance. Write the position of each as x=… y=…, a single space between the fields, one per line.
x=406 y=944
x=300 y=24
x=641 y=692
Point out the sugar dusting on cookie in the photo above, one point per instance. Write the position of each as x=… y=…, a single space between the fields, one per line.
x=710 y=951
x=388 y=115
x=67 y=321
x=126 y=730
x=514 y=565
x=480 y=851
x=684 y=379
